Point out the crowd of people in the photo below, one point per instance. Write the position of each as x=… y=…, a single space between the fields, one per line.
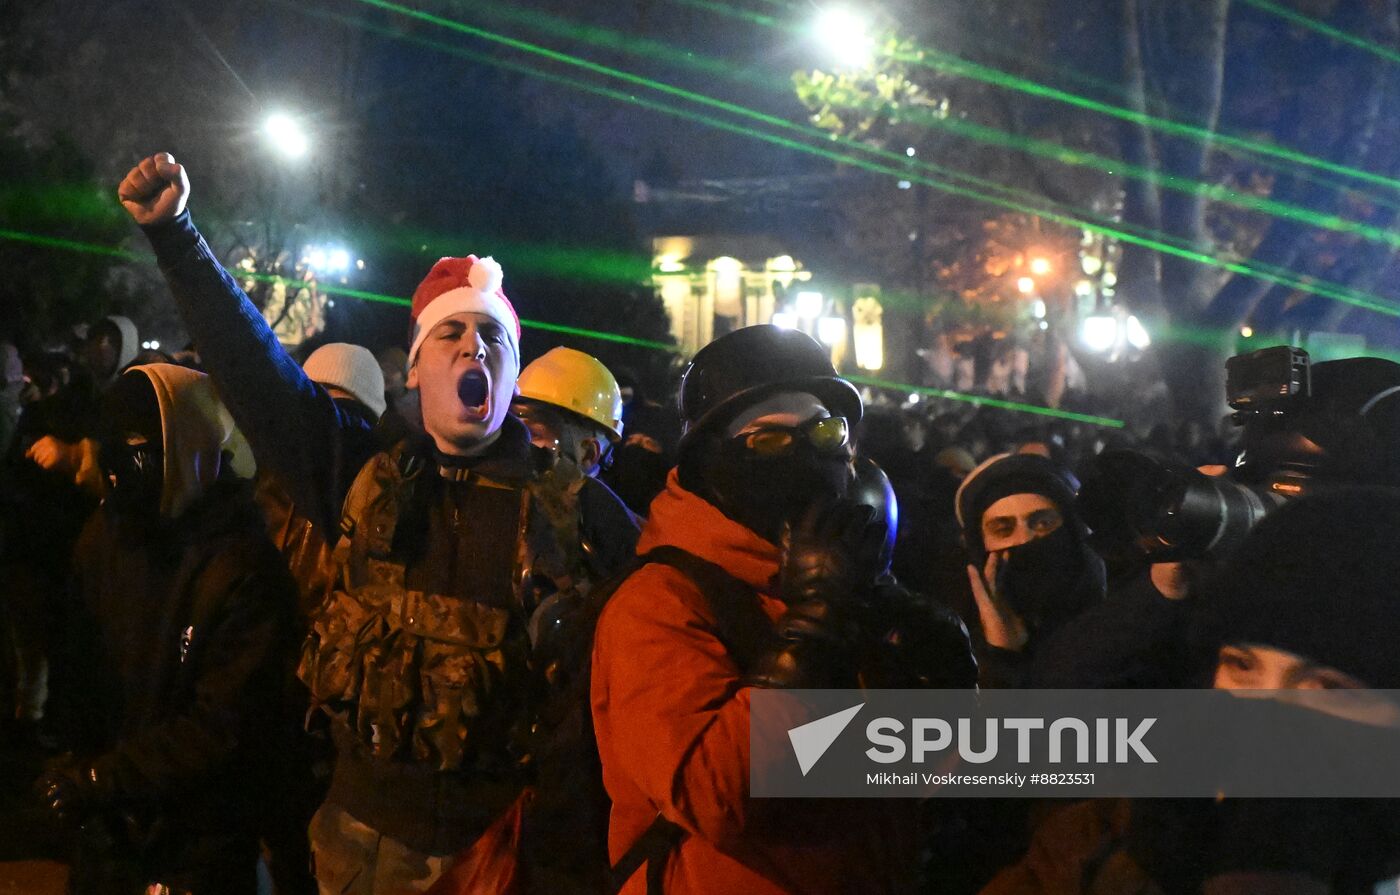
x=431 y=621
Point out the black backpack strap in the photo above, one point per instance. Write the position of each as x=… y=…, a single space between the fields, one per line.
x=744 y=629
x=651 y=848
x=746 y=633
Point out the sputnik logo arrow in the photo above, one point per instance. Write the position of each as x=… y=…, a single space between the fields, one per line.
x=811 y=740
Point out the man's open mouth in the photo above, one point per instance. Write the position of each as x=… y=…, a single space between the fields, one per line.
x=474 y=390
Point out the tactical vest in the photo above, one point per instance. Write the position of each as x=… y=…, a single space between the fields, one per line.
x=430 y=678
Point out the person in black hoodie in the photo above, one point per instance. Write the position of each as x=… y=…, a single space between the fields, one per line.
x=180 y=638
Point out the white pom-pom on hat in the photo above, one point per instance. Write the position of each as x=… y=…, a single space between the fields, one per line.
x=486 y=275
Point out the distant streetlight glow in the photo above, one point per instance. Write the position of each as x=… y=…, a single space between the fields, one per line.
x=831 y=330
x=1040 y=266
x=845 y=35
x=809 y=305
x=286 y=135
x=1025 y=285
x=1137 y=334
x=1099 y=333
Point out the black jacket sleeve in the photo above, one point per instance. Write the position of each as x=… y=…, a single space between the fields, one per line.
x=294 y=427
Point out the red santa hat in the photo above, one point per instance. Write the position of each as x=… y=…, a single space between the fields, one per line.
x=458 y=285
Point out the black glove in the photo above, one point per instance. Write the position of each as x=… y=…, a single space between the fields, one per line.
x=70 y=790
x=921 y=643
x=828 y=568
x=834 y=554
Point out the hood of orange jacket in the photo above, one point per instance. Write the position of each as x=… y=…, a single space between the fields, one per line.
x=681 y=518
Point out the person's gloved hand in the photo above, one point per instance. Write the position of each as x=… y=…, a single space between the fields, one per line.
x=829 y=566
x=922 y=643
x=70 y=790
x=832 y=554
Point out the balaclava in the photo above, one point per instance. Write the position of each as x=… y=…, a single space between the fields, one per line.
x=1047 y=580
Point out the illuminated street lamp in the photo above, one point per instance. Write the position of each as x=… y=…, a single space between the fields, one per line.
x=286 y=135
x=846 y=36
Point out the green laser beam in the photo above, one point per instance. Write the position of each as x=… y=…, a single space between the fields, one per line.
x=743 y=15
x=1062 y=154
x=949 y=63
x=55 y=242
x=1305 y=284
x=1041 y=148
x=71 y=245
x=607 y=39
x=545 y=326
x=1320 y=27
x=1000 y=403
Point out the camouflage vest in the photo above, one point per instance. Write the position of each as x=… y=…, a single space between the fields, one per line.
x=429 y=678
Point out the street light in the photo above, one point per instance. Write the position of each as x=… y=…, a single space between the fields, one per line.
x=286 y=135
x=846 y=36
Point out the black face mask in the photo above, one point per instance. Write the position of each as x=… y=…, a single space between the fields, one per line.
x=765 y=493
x=136 y=477
x=1048 y=581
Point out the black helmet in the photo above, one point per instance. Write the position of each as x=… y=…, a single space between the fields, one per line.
x=744 y=367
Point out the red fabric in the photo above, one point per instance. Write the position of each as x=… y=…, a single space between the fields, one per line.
x=673 y=732
x=448 y=274
x=491 y=864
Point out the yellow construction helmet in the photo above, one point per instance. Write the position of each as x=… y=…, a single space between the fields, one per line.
x=576 y=382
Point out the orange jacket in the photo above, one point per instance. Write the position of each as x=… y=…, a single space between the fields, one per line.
x=673 y=732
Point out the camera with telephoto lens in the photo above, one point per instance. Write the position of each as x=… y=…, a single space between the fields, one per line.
x=1306 y=427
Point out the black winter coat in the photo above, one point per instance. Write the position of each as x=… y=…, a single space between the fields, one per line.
x=181 y=642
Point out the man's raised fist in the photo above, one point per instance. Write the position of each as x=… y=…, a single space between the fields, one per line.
x=156 y=190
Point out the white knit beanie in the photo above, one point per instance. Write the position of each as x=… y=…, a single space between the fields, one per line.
x=350 y=368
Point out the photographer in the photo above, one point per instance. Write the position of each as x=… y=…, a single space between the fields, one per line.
x=1310 y=601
